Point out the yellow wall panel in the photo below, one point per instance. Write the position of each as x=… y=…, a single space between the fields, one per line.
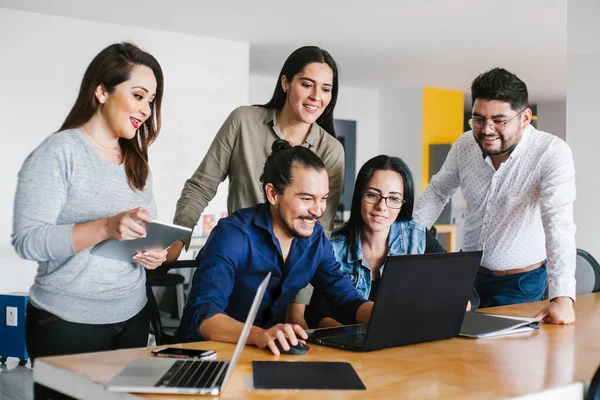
x=443 y=114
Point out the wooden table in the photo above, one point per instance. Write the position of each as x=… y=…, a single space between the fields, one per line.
x=457 y=368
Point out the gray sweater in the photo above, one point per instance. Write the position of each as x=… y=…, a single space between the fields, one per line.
x=63 y=182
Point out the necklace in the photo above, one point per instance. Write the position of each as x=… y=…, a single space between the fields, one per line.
x=118 y=152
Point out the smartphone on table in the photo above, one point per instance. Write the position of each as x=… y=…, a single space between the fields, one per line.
x=184 y=353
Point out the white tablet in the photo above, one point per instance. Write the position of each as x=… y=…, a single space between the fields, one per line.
x=159 y=236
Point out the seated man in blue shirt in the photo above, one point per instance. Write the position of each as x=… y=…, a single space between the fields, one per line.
x=281 y=236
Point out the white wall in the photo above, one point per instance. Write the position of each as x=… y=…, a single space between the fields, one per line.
x=553 y=117
x=43 y=60
x=261 y=88
x=360 y=105
x=583 y=103
x=401 y=128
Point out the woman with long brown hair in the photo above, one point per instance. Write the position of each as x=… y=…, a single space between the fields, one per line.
x=300 y=111
x=86 y=183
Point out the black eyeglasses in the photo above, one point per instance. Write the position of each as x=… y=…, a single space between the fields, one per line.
x=390 y=201
x=497 y=124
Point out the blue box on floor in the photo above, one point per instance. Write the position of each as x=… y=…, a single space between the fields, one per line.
x=12 y=338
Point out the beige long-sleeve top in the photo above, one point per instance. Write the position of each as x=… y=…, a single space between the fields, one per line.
x=239 y=151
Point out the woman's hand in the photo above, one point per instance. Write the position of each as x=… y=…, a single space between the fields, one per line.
x=127 y=225
x=150 y=259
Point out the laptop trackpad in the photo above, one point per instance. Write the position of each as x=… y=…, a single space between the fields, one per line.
x=142 y=372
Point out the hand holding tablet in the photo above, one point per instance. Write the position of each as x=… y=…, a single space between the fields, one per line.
x=159 y=236
x=128 y=225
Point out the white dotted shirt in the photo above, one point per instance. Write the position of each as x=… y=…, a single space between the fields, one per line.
x=518 y=215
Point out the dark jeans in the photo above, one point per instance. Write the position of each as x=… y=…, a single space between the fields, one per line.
x=511 y=289
x=48 y=335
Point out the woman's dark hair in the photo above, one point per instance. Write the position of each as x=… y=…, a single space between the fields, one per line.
x=279 y=164
x=499 y=84
x=294 y=64
x=380 y=163
x=111 y=67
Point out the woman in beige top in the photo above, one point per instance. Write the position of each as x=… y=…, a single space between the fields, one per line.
x=300 y=111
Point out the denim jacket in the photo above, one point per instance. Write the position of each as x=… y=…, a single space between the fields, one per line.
x=406 y=237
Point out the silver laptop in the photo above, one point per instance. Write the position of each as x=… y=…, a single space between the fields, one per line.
x=164 y=375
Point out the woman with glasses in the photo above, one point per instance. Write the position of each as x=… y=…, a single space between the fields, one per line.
x=380 y=225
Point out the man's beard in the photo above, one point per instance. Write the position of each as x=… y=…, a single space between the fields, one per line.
x=290 y=228
x=502 y=150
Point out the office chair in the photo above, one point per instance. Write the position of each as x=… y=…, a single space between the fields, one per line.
x=159 y=277
x=587 y=273
x=433 y=231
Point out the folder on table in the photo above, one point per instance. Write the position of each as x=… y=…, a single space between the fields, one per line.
x=482 y=325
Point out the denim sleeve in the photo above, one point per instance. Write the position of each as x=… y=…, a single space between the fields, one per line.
x=336 y=287
x=214 y=278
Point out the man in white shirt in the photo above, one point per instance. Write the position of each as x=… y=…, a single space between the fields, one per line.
x=519 y=184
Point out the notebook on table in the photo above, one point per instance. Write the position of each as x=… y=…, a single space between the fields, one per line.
x=305 y=375
x=164 y=375
x=420 y=298
x=482 y=325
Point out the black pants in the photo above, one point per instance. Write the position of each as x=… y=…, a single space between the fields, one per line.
x=48 y=335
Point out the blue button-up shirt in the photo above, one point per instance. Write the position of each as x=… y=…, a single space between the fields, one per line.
x=240 y=251
x=405 y=237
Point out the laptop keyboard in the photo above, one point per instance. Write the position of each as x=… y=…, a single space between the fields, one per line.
x=353 y=340
x=193 y=374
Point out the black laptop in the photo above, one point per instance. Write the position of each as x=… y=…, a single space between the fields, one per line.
x=420 y=298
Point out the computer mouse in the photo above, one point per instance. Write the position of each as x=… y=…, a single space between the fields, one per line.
x=297 y=350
